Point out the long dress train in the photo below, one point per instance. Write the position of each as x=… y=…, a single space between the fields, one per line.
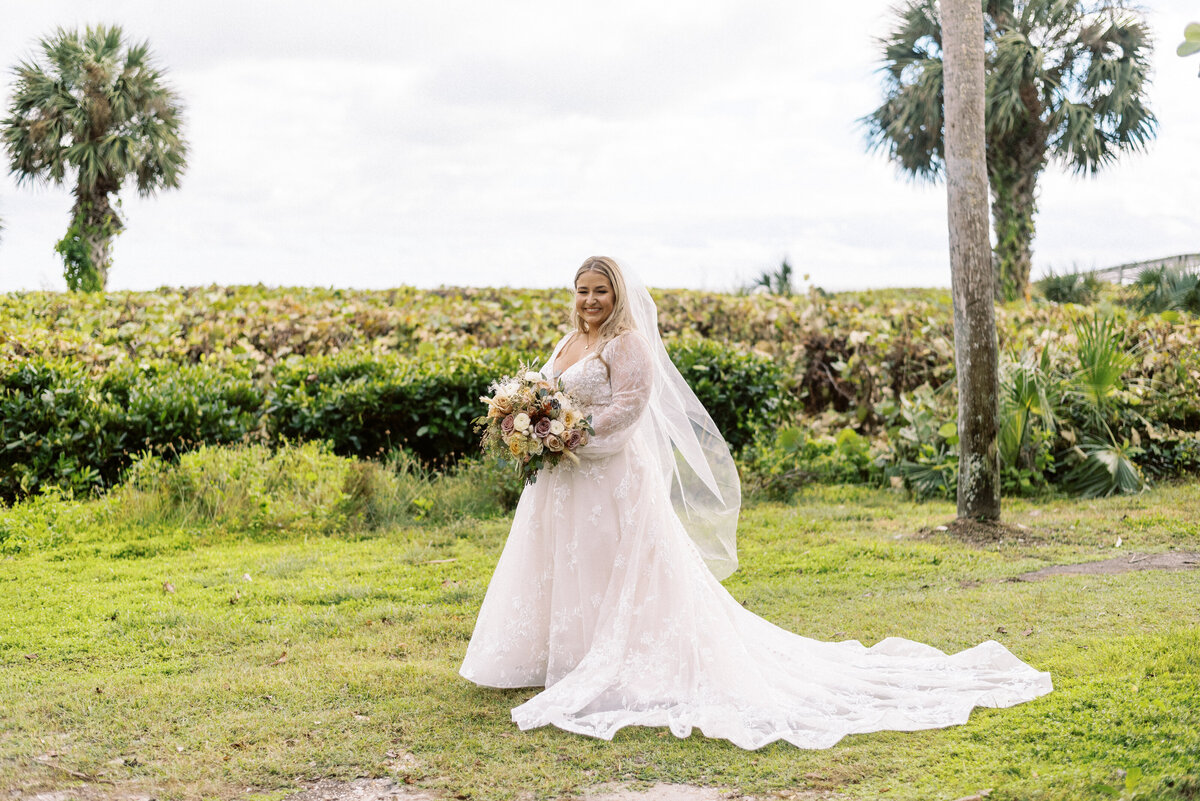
x=601 y=597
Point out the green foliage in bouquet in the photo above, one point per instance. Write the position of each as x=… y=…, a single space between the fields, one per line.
x=540 y=401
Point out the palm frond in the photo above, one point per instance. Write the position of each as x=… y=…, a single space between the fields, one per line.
x=1072 y=74
x=96 y=108
x=1103 y=469
x=1103 y=359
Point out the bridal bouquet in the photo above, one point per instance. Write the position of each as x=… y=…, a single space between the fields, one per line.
x=532 y=422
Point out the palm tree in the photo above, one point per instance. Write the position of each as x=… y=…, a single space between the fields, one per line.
x=1066 y=80
x=975 y=358
x=93 y=109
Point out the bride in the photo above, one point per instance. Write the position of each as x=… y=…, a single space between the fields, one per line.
x=608 y=595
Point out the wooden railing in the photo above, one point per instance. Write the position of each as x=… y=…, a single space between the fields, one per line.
x=1128 y=273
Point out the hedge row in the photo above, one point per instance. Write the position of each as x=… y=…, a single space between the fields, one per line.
x=851 y=353
x=58 y=425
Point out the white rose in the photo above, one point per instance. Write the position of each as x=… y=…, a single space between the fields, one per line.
x=521 y=422
x=534 y=377
x=556 y=427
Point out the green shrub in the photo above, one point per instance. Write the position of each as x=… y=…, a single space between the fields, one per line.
x=1167 y=453
x=1080 y=288
x=55 y=425
x=369 y=405
x=1167 y=289
x=925 y=448
x=743 y=392
x=781 y=463
x=172 y=408
x=62 y=427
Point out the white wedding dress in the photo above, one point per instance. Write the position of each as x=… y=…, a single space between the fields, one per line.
x=601 y=597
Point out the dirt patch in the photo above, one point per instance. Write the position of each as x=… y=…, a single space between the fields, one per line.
x=362 y=790
x=670 y=792
x=977 y=532
x=1126 y=563
x=388 y=790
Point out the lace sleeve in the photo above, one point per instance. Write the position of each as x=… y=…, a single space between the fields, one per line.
x=630 y=375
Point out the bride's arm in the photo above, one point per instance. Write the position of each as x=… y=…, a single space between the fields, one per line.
x=630 y=376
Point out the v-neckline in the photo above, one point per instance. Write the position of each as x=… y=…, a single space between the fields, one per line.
x=581 y=360
x=561 y=373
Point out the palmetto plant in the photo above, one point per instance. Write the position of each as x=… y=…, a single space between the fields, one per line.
x=1103 y=359
x=1167 y=289
x=1029 y=393
x=1066 y=80
x=1103 y=462
x=1073 y=287
x=775 y=282
x=1055 y=412
x=93 y=109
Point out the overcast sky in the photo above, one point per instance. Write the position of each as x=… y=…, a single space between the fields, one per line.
x=373 y=144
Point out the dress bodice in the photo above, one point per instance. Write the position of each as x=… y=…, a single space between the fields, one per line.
x=614 y=392
x=586 y=381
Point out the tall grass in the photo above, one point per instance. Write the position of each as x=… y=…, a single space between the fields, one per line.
x=256 y=489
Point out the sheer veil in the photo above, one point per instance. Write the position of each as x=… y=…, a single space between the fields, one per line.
x=691 y=453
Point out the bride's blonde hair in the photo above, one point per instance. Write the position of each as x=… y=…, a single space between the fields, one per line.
x=621 y=318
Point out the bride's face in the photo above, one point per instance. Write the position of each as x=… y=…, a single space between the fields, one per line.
x=593 y=299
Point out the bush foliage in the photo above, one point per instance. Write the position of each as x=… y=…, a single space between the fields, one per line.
x=88 y=381
x=63 y=427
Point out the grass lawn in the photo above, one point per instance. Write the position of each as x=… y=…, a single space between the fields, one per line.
x=196 y=661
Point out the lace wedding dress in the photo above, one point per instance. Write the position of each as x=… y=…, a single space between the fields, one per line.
x=601 y=597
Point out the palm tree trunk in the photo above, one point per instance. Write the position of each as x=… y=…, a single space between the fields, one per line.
x=972 y=276
x=1013 y=168
x=100 y=223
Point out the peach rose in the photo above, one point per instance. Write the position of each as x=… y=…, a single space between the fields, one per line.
x=500 y=407
x=554 y=444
